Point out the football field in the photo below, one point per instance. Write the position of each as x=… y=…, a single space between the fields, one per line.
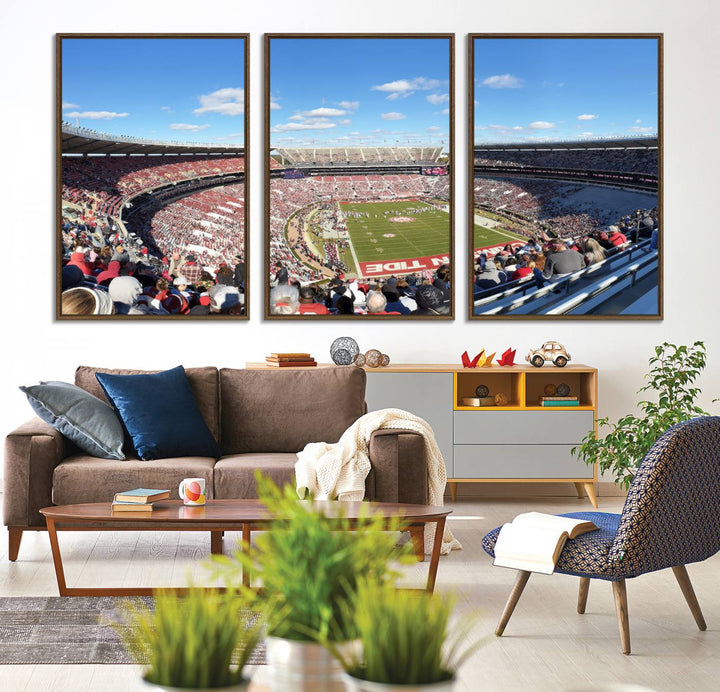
x=377 y=238
x=489 y=235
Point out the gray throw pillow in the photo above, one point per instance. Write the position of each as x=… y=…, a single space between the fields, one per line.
x=83 y=418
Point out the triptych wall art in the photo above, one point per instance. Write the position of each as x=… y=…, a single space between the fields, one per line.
x=564 y=177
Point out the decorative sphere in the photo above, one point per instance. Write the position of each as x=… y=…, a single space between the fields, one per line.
x=359 y=360
x=385 y=360
x=563 y=389
x=373 y=358
x=500 y=399
x=550 y=390
x=343 y=350
x=481 y=391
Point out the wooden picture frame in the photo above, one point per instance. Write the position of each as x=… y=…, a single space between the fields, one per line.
x=129 y=195
x=565 y=143
x=343 y=195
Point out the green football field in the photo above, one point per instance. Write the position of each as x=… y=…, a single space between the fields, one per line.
x=487 y=237
x=428 y=235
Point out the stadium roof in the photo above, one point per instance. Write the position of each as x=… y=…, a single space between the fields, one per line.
x=605 y=143
x=81 y=140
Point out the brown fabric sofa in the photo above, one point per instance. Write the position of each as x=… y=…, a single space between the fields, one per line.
x=260 y=418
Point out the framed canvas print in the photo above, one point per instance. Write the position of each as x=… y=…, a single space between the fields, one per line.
x=152 y=162
x=359 y=176
x=565 y=176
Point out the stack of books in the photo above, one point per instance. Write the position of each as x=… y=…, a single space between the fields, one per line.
x=559 y=401
x=138 y=500
x=290 y=360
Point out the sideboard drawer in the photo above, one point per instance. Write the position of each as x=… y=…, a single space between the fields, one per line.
x=522 y=427
x=519 y=461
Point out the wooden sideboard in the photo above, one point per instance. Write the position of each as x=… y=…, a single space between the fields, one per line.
x=518 y=442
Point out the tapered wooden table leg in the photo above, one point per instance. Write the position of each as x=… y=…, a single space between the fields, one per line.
x=517 y=589
x=57 y=558
x=683 y=579
x=583 y=594
x=621 y=608
x=435 y=556
x=590 y=490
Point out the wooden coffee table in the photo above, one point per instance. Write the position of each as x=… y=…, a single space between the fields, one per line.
x=217 y=516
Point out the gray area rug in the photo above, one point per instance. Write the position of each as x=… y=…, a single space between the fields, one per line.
x=69 y=630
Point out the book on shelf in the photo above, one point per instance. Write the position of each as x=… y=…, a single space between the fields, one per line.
x=533 y=541
x=558 y=398
x=131 y=506
x=289 y=359
x=550 y=404
x=302 y=356
x=290 y=363
x=141 y=496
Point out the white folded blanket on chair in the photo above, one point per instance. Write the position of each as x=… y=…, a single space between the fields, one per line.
x=329 y=471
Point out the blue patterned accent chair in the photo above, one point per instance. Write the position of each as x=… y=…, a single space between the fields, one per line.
x=671 y=518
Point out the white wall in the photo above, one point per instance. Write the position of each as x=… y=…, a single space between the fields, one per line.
x=37 y=347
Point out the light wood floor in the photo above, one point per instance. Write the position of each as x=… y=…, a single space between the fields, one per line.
x=547 y=646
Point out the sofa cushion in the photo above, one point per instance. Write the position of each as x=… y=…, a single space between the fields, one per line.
x=203 y=382
x=234 y=476
x=81 y=478
x=281 y=411
x=160 y=413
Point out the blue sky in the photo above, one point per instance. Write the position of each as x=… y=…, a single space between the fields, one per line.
x=189 y=90
x=549 y=89
x=362 y=91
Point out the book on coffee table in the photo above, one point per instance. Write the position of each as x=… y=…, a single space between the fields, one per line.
x=141 y=496
x=131 y=507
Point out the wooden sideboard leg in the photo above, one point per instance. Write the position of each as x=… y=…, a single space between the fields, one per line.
x=417 y=536
x=453 y=491
x=590 y=490
x=580 y=490
x=583 y=594
x=216 y=542
x=14 y=538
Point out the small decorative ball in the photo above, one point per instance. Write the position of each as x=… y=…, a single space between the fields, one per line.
x=385 y=360
x=482 y=391
x=373 y=358
x=550 y=390
x=500 y=399
x=343 y=350
x=563 y=389
x=359 y=360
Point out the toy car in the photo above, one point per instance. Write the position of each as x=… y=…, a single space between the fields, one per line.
x=550 y=351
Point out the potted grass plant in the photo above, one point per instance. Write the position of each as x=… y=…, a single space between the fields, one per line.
x=198 y=641
x=310 y=565
x=405 y=642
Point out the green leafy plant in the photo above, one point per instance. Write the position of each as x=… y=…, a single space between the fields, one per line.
x=199 y=640
x=673 y=372
x=310 y=560
x=405 y=638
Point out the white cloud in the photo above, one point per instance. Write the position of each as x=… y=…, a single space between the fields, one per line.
x=588 y=116
x=437 y=99
x=188 y=128
x=228 y=101
x=67 y=105
x=432 y=128
x=393 y=115
x=506 y=128
x=406 y=87
x=308 y=124
x=586 y=134
x=349 y=105
x=541 y=125
x=323 y=113
x=96 y=115
x=274 y=105
x=503 y=81
x=638 y=121
x=641 y=130
x=344 y=121
x=167 y=109
x=445 y=111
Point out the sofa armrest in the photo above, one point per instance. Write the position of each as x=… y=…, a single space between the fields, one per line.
x=399 y=472
x=32 y=452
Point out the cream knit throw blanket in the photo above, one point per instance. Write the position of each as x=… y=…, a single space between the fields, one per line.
x=339 y=470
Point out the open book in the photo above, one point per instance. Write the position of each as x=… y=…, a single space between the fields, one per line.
x=533 y=541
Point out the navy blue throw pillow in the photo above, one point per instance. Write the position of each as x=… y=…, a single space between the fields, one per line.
x=160 y=413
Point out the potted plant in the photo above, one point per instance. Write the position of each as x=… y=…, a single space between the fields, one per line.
x=673 y=372
x=405 y=641
x=198 y=641
x=310 y=565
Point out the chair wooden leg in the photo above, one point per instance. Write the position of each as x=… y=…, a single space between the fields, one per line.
x=620 y=594
x=517 y=589
x=683 y=579
x=14 y=538
x=583 y=594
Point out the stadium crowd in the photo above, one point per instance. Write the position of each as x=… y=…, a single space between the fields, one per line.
x=360 y=156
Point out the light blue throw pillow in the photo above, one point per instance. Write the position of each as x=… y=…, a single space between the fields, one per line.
x=83 y=418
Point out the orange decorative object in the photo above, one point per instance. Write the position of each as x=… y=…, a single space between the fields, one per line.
x=488 y=361
x=467 y=363
x=508 y=357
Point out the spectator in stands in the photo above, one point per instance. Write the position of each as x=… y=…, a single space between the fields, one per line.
x=524 y=268
x=561 y=262
x=345 y=305
x=308 y=303
x=489 y=277
x=615 y=238
x=72 y=276
x=176 y=264
x=394 y=304
x=192 y=270
x=593 y=251
x=284 y=300
x=430 y=301
x=113 y=271
x=85 y=301
x=376 y=302
x=226 y=299
x=79 y=260
x=125 y=291
x=121 y=255
x=240 y=272
x=406 y=295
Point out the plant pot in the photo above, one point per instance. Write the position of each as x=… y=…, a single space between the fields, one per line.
x=239 y=687
x=295 y=666
x=357 y=685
